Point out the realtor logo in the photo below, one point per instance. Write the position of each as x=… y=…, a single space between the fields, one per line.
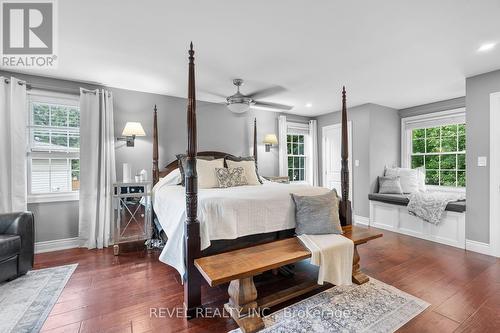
x=28 y=33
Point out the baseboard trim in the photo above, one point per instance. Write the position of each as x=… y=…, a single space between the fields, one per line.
x=361 y=220
x=479 y=247
x=57 y=244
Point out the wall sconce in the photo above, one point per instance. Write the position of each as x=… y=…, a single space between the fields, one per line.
x=130 y=131
x=269 y=140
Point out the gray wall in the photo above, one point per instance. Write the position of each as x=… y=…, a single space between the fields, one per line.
x=55 y=220
x=376 y=142
x=478 y=90
x=218 y=129
x=63 y=86
x=385 y=142
x=448 y=104
x=375 y=128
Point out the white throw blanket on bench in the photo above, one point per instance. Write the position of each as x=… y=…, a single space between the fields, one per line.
x=333 y=254
x=429 y=206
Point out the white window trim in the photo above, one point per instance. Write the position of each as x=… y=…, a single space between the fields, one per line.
x=54 y=197
x=295 y=128
x=55 y=98
x=427 y=120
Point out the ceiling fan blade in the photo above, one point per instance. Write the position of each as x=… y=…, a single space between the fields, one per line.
x=266 y=92
x=272 y=106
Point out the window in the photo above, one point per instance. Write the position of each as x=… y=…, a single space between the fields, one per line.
x=438 y=145
x=441 y=151
x=296 y=157
x=53 y=146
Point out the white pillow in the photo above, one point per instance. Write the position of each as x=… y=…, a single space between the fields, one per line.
x=421 y=179
x=206 y=172
x=173 y=178
x=249 y=167
x=408 y=178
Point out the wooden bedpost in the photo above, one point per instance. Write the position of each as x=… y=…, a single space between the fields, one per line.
x=345 y=205
x=192 y=246
x=255 y=139
x=156 y=170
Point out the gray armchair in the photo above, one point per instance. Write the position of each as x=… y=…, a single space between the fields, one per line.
x=17 y=244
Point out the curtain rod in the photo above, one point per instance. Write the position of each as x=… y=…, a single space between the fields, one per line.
x=7 y=81
x=74 y=91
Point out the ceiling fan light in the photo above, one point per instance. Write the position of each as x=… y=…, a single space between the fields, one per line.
x=238 y=107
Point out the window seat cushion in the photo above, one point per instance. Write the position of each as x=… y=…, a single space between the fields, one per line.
x=402 y=200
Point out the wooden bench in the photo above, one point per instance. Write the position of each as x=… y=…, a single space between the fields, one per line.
x=240 y=266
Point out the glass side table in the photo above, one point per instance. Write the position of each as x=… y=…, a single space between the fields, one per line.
x=132 y=213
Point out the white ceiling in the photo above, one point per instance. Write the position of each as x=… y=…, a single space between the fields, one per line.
x=397 y=53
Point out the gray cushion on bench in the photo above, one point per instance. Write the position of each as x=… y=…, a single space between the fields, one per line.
x=402 y=200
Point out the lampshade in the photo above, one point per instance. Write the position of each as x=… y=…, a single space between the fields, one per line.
x=271 y=139
x=132 y=128
x=238 y=107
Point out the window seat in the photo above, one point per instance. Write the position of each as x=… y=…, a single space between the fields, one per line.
x=389 y=212
x=402 y=200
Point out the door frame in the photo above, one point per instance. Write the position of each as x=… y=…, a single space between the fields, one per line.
x=349 y=161
x=494 y=219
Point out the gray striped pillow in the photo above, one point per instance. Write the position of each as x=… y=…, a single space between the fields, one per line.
x=389 y=185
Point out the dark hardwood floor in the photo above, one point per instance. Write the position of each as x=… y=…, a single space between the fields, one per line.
x=118 y=294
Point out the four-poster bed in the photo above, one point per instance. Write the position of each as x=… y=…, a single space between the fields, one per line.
x=192 y=237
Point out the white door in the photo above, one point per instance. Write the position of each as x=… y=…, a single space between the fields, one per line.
x=332 y=140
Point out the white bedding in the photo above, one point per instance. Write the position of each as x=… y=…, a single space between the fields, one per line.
x=226 y=213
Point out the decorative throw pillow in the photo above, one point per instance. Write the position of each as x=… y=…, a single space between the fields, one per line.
x=206 y=172
x=181 y=160
x=408 y=178
x=317 y=214
x=389 y=185
x=247 y=163
x=229 y=177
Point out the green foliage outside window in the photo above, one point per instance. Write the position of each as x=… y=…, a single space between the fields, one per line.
x=54 y=147
x=441 y=151
x=55 y=127
x=296 y=157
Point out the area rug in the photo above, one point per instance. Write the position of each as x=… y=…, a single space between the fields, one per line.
x=26 y=301
x=371 y=307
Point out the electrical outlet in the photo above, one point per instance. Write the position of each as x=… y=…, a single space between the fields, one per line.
x=482 y=161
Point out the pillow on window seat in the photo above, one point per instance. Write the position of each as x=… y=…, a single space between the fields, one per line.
x=389 y=185
x=317 y=214
x=408 y=178
x=421 y=179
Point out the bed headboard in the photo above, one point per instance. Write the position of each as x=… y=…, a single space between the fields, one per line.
x=157 y=173
x=175 y=165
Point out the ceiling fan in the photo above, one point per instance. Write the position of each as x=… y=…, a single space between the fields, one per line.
x=240 y=103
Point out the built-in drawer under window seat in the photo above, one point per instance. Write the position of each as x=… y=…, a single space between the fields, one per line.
x=389 y=212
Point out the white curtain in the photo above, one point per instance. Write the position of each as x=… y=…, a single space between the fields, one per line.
x=282 y=132
x=97 y=167
x=13 y=124
x=313 y=160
